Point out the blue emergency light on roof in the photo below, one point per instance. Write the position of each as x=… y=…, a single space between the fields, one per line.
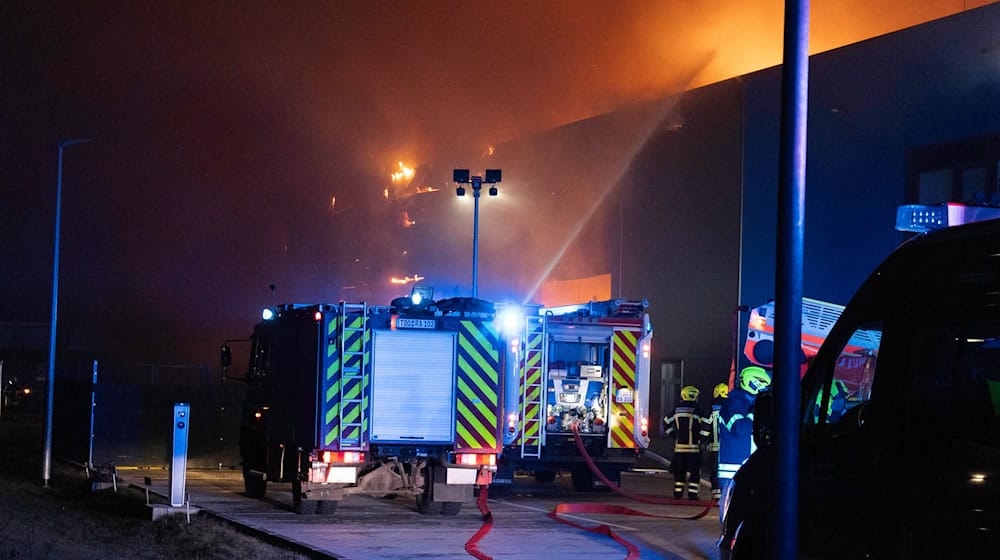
x=510 y=320
x=267 y=314
x=920 y=218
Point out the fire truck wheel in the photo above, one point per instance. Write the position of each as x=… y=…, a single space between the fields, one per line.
x=254 y=484
x=427 y=506
x=451 y=508
x=300 y=505
x=545 y=476
x=326 y=507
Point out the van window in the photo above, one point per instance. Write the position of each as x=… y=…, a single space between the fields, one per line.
x=956 y=383
x=853 y=375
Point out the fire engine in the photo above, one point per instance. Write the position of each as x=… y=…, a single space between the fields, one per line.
x=584 y=364
x=818 y=317
x=349 y=398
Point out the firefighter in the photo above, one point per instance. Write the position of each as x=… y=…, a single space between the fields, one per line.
x=736 y=422
x=719 y=394
x=689 y=427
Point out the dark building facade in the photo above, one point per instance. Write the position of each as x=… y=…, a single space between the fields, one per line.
x=680 y=195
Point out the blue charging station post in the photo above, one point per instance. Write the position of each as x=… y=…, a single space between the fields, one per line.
x=178 y=460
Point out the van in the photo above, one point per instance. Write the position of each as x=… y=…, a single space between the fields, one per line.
x=900 y=443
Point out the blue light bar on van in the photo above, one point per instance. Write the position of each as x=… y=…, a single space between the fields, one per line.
x=921 y=218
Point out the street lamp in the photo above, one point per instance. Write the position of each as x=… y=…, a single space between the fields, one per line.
x=492 y=177
x=47 y=461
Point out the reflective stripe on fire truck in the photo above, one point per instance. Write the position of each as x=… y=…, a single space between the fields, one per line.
x=622 y=420
x=478 y=387
x=532 y=393
x=345 y=383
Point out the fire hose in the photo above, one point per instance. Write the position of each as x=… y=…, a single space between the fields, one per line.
x=603 y=529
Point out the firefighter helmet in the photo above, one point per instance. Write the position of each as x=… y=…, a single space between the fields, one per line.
x=689 y=393
x=721 y=391
x=753 y=379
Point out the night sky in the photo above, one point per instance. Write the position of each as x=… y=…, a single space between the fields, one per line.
x=240 y=145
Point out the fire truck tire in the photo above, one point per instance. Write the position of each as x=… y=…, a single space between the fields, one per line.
x=254 y=485
x=326 y=507
x=427 y=506
x=451 y=508
x=545 y=476
x=299 y=505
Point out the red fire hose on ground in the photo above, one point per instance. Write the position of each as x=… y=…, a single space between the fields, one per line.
x=633 y=551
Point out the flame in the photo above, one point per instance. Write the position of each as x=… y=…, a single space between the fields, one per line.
x=333 y=203
x=385 y=193
x=406 y=279
x=407 y=222
x=490 y=150
x=421 y=190
x=403 y=173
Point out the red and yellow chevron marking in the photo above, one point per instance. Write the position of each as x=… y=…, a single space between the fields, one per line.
x=623 y=353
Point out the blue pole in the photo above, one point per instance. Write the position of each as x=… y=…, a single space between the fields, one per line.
x=50 y=389
x=788 y=279
x=50 y=386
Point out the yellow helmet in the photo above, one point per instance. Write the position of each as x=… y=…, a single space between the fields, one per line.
x=689 y=393
x=721 y=391
x=753 y=379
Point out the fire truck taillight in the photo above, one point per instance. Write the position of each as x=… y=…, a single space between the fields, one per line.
x=474 y=459
x=318 y=316
x=343 y=457
x=512 y=422
x=644 y=426
x=645 y=350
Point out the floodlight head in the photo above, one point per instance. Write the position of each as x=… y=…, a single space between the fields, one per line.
x=460 y=176
x=460 y=191
x=422 y=296
x=493 y=191
x=492 y=176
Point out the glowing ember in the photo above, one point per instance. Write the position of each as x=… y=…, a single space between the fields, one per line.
x=406 y=279
x=407 y=222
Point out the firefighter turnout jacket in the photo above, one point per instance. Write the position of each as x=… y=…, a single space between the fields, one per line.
x=689 y=426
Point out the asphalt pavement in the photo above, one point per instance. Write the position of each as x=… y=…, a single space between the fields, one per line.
x=389 y=527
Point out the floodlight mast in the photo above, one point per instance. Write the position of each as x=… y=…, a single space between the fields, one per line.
x=461 y=177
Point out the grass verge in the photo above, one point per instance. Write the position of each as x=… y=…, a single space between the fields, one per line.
x=69 y=521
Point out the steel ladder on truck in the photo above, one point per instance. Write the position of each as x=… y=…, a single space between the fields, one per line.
x=353 y=321
x=533 y=388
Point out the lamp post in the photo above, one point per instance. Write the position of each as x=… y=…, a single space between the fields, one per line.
x=50 y=389
x=491 y=177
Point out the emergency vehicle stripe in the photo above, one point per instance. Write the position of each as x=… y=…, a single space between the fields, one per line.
x=478 y=382
x=331 y=384
x=623 y=389
x=531 y=375
x=335 y=383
